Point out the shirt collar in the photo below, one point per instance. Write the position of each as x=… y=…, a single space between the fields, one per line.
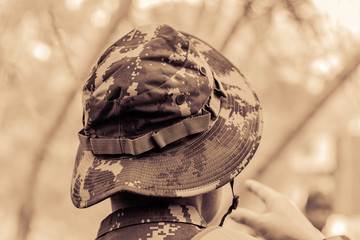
x=150 y=214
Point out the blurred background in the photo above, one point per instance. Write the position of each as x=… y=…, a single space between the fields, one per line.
x=301 y=56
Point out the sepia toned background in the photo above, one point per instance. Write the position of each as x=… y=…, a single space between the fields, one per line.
x=301 y=56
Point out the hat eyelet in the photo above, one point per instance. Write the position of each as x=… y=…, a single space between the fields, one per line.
x=180 y=99
x=203 y=71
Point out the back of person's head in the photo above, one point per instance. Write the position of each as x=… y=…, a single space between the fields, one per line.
x=165 y=115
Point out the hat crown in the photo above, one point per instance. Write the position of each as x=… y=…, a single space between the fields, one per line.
x=150 y=78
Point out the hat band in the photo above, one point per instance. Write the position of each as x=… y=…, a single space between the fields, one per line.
x=144 y=143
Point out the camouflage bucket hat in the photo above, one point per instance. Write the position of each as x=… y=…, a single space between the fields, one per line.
x=165 y=114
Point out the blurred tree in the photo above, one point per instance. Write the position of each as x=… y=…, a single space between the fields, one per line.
x=27 y=204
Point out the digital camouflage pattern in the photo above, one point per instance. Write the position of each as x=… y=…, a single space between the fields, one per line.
x=151 y=80
x=152 y=223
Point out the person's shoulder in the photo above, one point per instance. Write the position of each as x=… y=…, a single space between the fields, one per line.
x=216 y=233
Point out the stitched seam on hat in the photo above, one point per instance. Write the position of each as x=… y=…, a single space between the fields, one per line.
x=120 y=120
x=129 y=98
x=187 y=53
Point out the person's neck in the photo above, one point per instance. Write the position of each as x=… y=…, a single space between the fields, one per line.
x=127 y=200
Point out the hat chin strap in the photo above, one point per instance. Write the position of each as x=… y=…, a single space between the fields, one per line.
x=233 y=206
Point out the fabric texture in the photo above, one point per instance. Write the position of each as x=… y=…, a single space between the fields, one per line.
x=135 y=104
x=159 y=222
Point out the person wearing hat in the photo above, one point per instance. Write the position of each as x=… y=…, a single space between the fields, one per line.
x=167 y=122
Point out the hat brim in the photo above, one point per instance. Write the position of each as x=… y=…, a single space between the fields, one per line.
x=192 y=166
